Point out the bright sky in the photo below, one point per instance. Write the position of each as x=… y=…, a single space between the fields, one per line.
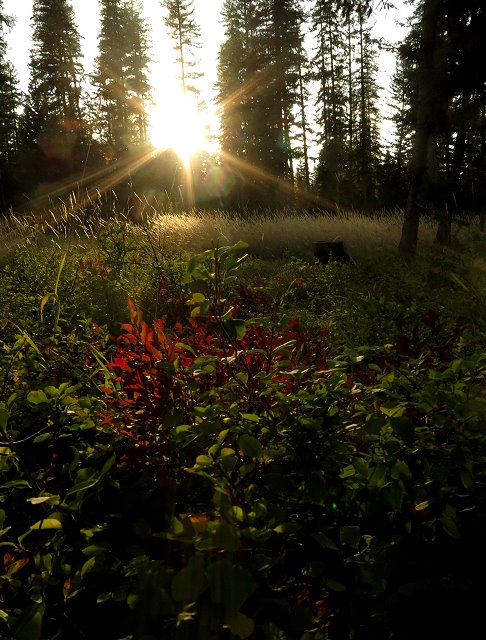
x=212 y=33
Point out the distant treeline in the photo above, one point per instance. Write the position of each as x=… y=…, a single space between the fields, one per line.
x=71 y=132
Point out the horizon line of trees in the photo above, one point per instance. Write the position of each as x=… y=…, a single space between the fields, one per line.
x=69 y=127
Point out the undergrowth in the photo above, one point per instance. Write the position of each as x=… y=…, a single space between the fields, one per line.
x=219 y=445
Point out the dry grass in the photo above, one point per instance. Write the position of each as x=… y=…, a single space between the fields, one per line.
x=273 y=234
x=268 y=234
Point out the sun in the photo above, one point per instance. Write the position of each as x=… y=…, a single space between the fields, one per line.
x=178 y=124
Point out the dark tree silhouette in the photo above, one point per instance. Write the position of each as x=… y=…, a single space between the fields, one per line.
x=51 y=129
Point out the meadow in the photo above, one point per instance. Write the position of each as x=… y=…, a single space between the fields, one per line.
x=207 y=434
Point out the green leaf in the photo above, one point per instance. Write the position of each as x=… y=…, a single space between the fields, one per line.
x=197 y=298
x=350 y=535
x=103 y=597
x=48 y=523
x=4 y=416
x=394 y=494
x=41 y=499
x=186 y=347
x=88 y=566
x=272 y=632
x=466 y=479
x=30 y=622
x=119 y=595
x=44 y=301
x=229 y=585
x=450 y=527
x=228 y=315
x=348 y=471
x=241 y=244
x=324 y=541
x=243 y=378
x=288 y=527
x=235 y=328
x=251 y=417
x=458 y=280
x=241 y=625
x=316 y=487
x=82 y=486
x=334 y=585
x=401 y=470
x=190 y=582
x=61 y=266
x=37 y=397
x=226 y=537
x=250 y=446
x=42 y=437
x=378 y=475
x=421 y=506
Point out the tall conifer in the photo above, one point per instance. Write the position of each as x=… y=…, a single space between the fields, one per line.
x=121 y=76
x=9 y=101
x=186 y=35
x=52 y=120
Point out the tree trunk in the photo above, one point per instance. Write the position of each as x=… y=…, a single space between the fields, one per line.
x=423 y=127
x=351 y=101
x=444 y=230
x=304 y=130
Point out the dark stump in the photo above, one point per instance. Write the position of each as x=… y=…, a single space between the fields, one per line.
x=326 y=251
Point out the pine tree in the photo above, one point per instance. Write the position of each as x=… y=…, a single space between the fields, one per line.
x=243 y=96
x=366 y=143
x=402 y=99
x=52 y=119
x=329 y=63
x=110 y=79
x=186 y=34
x=284 y=38
x=138 y=86
x=449 y=99
x=303 y=135
x=259 y=90
x=121 y=77
x=9 y=101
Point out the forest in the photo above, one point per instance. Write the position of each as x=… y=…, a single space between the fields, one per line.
x=71 y=131
x=209 y=430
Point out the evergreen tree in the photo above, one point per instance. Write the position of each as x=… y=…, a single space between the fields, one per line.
x=345 y=71
x=9 y=101
x=110 y=79
x=121 y=77
x=259 y=88
x=450 y=96
x=284 y=38
x=138 y=85
x=366 y=142
x=243 y=95
x=402 y=99
x=186 y=34
x=52 y=121
x=304 y=133
x=330 y=63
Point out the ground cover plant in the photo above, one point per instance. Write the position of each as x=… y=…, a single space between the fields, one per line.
x=198 y=442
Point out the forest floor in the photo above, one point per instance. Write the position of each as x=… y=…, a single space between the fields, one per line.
x=206 y=433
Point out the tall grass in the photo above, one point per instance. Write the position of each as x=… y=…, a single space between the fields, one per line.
x=268 y=234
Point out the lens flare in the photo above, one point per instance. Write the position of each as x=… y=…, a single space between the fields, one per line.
x=179 y=124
